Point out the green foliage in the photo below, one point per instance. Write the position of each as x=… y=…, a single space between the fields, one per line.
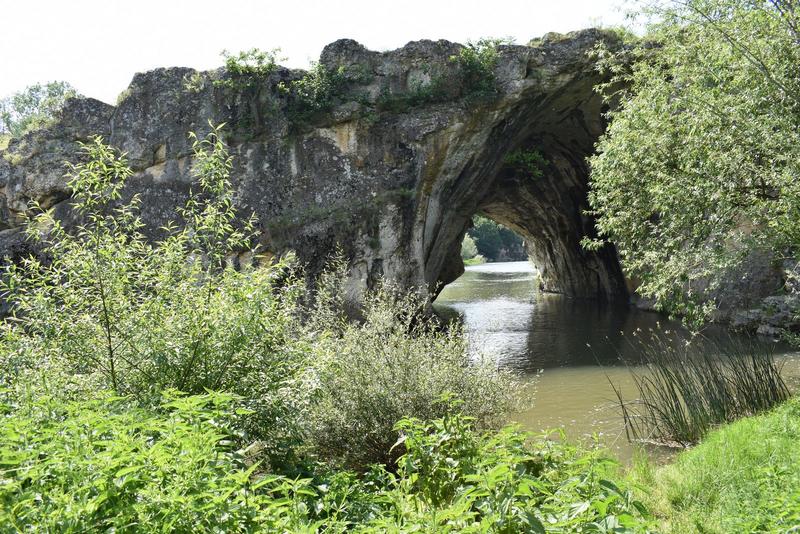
x=465 y=481
x=690 y=388
x=388 y=366
x=476 y=61
x=496 y=242
x=105 y=464
x=468 y=248
x=104 y=307
x=194 y=83
x=700 y=163
x=123 y=96
x=477 y=260
x=529 y=162
x=107 y=325
x=33 y=107
x=744 y=477
x=420 y=94
x=141 y=317
x=316 y=92
x=245 y=69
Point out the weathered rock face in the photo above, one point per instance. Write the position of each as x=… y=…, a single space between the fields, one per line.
x=392 y=171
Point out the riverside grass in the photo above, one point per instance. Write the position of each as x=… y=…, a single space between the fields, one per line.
x=690 y=387
x=743 y=477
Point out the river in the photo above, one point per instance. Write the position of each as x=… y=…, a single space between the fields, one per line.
x=567 y=351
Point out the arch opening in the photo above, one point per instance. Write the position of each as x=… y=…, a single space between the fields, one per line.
x=531 y=175
x=489 y=241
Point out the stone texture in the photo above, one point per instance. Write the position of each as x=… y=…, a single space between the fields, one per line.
x=393 y=183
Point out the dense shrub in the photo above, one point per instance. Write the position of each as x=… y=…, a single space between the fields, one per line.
x=316 y=92
x=247 y=68
x=528 y=163
x=507 y=482
x=141 y=317
x=476 y=61
x=390 y=365
x=105 y=464
x=418 y=94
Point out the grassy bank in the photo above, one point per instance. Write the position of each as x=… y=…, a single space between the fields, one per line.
x=476 y=260
x=743 y=477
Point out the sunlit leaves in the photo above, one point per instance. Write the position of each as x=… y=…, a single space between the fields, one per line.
x=33 y=107
x=699 y=166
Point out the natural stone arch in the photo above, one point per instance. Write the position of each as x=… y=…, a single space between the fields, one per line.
x=391 y=177
x=548 y=211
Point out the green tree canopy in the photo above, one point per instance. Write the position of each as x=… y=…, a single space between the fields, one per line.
x=701 y=161
x=494 y=241
x=468 y=248
x=33 y=106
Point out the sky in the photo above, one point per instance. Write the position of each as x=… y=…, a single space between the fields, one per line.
x=97 y=45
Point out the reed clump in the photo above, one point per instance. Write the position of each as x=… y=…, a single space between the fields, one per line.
x=688 y=387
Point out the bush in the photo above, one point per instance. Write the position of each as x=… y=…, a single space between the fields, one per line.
x=530 y=163
x=141 y=317
x=419 y=94
x=245 y=69
x=391 y=365
x=506 y=482
x=316 y=92
x=107 y=465
x=468 y=248
x=476 y=61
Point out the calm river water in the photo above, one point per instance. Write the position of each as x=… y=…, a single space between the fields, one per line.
x=566 y=349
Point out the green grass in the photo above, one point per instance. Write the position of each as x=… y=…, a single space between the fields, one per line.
x=743 y=477
x=477 y=260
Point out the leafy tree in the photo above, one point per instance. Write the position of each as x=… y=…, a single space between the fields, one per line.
x=701 y=163
x=139 y=317
x=468 y=248
x=494 y=241
x=33 y=106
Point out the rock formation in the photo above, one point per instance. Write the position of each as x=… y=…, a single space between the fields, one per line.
x=391 y=165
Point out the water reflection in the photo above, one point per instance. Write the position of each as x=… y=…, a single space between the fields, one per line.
x=580 y=345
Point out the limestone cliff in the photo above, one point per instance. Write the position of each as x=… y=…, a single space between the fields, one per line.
x=391 y=168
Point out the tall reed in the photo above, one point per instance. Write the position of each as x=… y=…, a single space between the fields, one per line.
x=687 y=387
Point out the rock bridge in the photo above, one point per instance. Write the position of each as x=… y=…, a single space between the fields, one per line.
x=391 y=167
